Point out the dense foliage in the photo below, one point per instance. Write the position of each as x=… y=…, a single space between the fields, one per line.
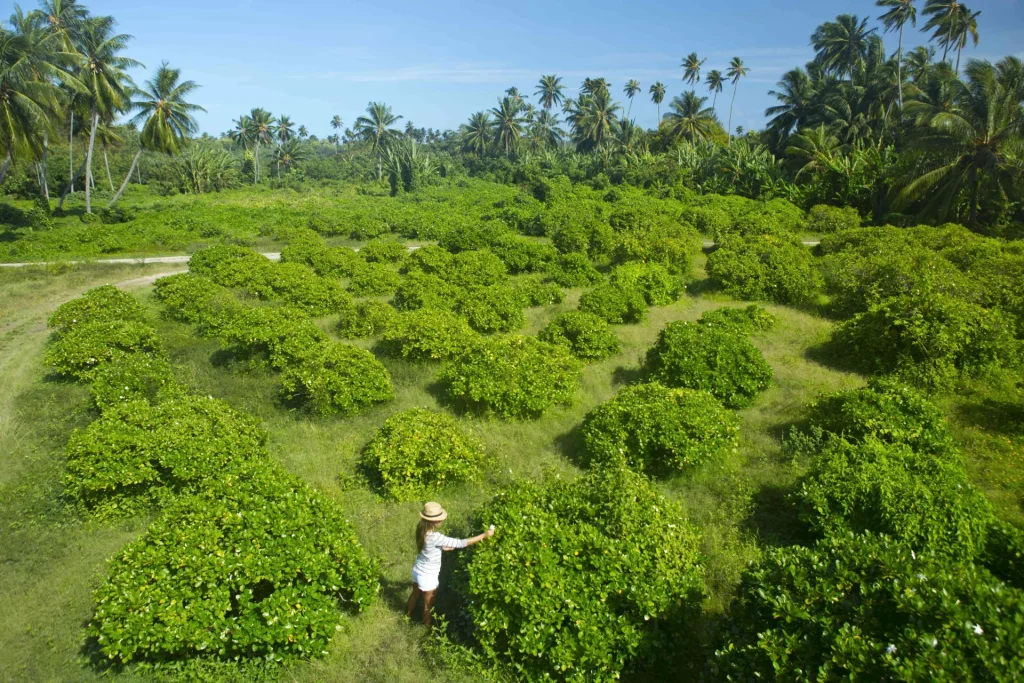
x=587 y=336
x=428 y=334
x=99 y=305
x=367 y=318
x=615 y=303
x=337 y=378
x=748 y=320
x=771 y=268
x=85 y=347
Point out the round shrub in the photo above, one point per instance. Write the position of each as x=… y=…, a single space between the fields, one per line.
x=921 y=499
x=614 y=303
x=533 y=291
x=428 y=334
x=868 y=608
x=429 y=259
x=298 y=285
x=513 y=377
x=423 y=290
x=521 y=255
x=583 y=579
x=573 y=270
x=85 y=347
x=268 y=336
x=587 y=336
x=495 y=308
x=313 y=251
x=823 y=219
x=656 y=430
x=418 y=451
x=653 y=280
x=255 y=570
x=747 y=320
x=673 y=249
x=230 y=265
x=473 y=268
x=374 y=279
x=101 y=304
x=338 y=378
x=132 y=377
x=137 y=454
x=887 y=411
x=367 y=318
x=720 y=361
x=384 y=250
x=1004 y=552
x=711 y=221
x=765 y=268
x=191 y=298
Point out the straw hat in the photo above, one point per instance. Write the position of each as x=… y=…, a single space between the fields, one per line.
x=433 y=512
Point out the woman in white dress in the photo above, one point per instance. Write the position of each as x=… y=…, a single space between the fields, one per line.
x=427 y=568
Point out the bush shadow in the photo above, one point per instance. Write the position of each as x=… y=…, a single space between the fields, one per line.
x=1002 y=417
x=832 y=354
x=622 y=376
x=774 y=518
x=570 y=445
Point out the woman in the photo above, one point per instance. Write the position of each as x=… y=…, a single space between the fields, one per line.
x=427 y=568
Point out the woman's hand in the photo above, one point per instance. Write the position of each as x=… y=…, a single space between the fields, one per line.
x=490 y=532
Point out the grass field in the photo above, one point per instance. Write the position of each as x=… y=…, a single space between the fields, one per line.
x=52 y=559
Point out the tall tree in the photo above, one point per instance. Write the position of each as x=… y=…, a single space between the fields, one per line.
x=688 y=118
x=476 y=134
x=549 y=91
x=966 y=28
x=375 y=127
x=691 y=68
x=284 y=129
x=715 y=82
x=657 y=92
x=261 y=123
x=303 y=132
x=899 y=14
x=735 y=72
x=508 y=124
x=841 y=46
x=166 y=117
x=108 y=137
x=596 y=120
x=336 y=124
x=942 y=20
x=545 y=132
x=631 y=88
x=916 y=63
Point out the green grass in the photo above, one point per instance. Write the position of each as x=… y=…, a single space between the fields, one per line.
x=52 y=559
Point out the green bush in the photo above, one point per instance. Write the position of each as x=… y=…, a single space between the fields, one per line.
x=718 y=360
x=428 y=334
x=374 y=279
x=424 y=290
x=521 y=255
x=229 y=265
x=585 y=335
x=494 y=308
x=99 y=305
x=824 y=219
x=132 y=377
x=337 y=378
x=137 y=454
x=573 y=270
x=429 y=259
x=384 y=250
x=268 y=336
x=1004 y=553
x=887 y=411
x=298 y=285
x=765 y=268
x=511 y=376
x=583 y=579
x=748 y=320
x=656 y=430
x=327 y=261
x=614 y=303
x=251 y=571
x=930 y=339
x=418 y=450
x=868 y=608
x=367 y=318
x=712 y=221
x=85 y=347
x=533 y=291
x=653 y=280
x=673 y=249
x=192 y=298
x=476 y=268
x=921 y=499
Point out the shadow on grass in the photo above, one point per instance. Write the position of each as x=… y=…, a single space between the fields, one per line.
x=701 y=286
x=1001 y=417
x=833 y=354
x=622 y=375
x=775 y=518
x=570 y=445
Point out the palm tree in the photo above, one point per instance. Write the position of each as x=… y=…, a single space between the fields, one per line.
x=375 y=127
x=842 y=45
x=476 y=134
x=508 y=124
x=63 y=20
x=261 y=124
x=965 y=147
x=596 y=120
x=545 y=132
x=966 y=27
x=814 y=149
x=284 y=129
x=108 y=137
x=916 y=63
x=166 y=118
x=592 y=85
x=337 y=124
x=657 y=92
x=241 y=134
x=549 y=91
x=631 y=138
x=631 y=89
x=691 y=68
x=944 y=22
x=103 y=72
x=735 y=72
x=303 y=132
x=714 y=81
x=689 y=119
x=901 y=12
x=289 y=153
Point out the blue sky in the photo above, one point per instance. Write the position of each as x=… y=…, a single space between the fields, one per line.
x=436 y=62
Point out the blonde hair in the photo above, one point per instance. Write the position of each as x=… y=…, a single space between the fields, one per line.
x=422 y=529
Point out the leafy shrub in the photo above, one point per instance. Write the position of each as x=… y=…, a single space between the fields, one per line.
x=775 y=217
x=192 y=298
x=274 y=336
x=374 y=279
x=770 y=268
x=921 y=499
x=748 y=320
x=673 y=249
x=384 y=250
x=476 y=268
x=428 y=334
x=423 y=290
x=720 y=361
x=230 y=265
x=887 y=411
x=712 y=221
x=87 y=346
x=824 y=219
x=495 y=308
x=583 y=579
x=429 y=259
x=327 y=261
x=587 y=233
x=585 y=335
x=138 y=454
x=521 y=255
x=868 y=608
x=614 y=303
x=367 y=318
x=418 y=450
x=651 y=428
x=472 y=236
x=1004 y=553
x=653 y=280
x=513 y=377
x=573 y=270
x=101 y=304
x=254 y=570
x=298 y=285
x=132 y=377
x=533 y=291
x=930 y=338
x=337 y=378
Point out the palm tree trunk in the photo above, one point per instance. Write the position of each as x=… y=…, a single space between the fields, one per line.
x=71 y=151
x=735 y=87
x=88 y=160
x=71 y=183
x=7 y=164
x=126 y=178
x=658 y=105
x=958 y=51
x=138 y=171
x=46 y=184
x=106 y=161
x=256 y=176
x=630 y=107
x=899 y=68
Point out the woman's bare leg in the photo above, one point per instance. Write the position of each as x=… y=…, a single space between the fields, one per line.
x=413 y=599
x=428 y=606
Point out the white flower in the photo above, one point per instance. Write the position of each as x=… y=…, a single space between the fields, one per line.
x=977 y=630
x=891 y=649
